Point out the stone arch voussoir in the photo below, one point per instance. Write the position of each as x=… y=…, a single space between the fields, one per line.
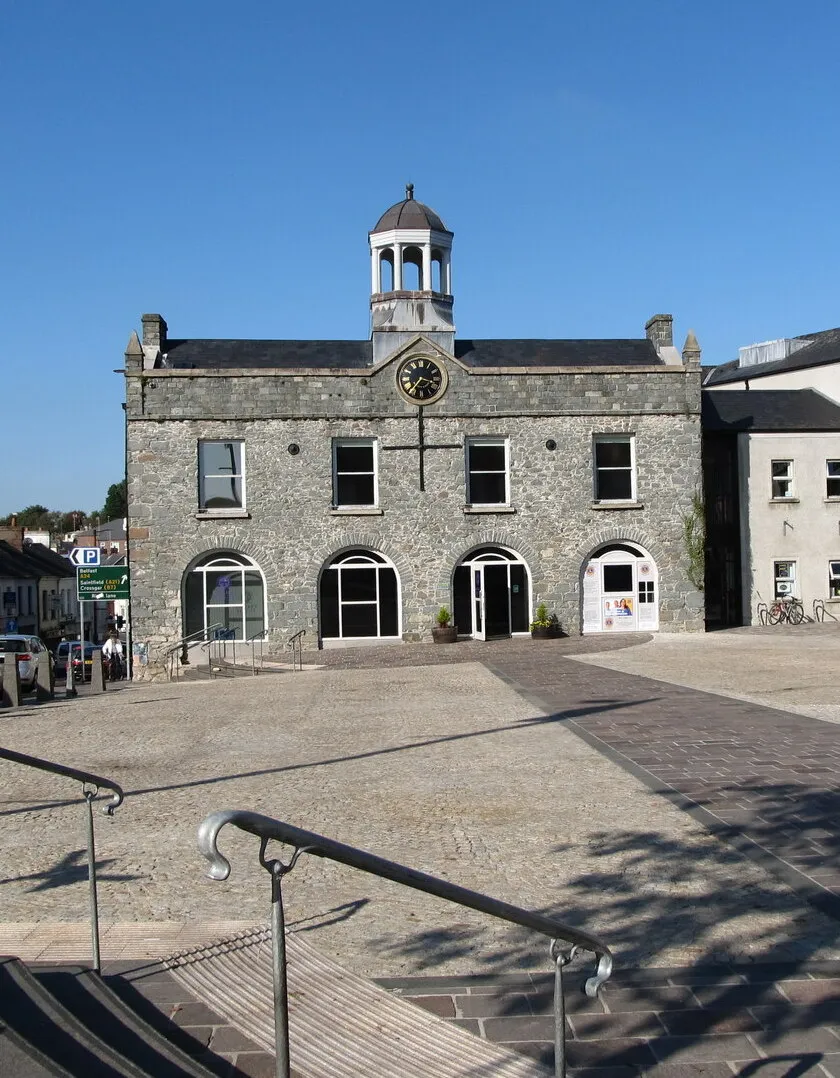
x=247 y=548
x=614 y=534
x=368 y=541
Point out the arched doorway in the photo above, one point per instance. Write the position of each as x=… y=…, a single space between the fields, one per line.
x=491 y=594
x=224 y=589
x=620 y=590
x=359 y=597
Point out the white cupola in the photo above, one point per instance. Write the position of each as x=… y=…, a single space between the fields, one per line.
x=411 y=278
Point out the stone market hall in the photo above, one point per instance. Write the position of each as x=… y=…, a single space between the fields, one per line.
x=352 y=488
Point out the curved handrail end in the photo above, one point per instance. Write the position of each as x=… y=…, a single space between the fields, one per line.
x=208 y=834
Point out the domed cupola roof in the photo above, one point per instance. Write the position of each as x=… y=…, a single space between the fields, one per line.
x=409 y=214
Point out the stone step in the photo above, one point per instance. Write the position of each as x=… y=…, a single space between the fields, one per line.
x=66 y=1021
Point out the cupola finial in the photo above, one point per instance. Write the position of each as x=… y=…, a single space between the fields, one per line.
x=409 y=191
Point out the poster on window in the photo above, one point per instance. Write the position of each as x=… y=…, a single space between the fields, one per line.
x=591 y=598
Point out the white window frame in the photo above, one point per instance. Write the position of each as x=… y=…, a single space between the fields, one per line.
x=784 y=583
x=338 y=443
x=202 y=477
x=834 y=578
x=494 y=440
x=788 y=478
x=829 y=479
x=603 y=439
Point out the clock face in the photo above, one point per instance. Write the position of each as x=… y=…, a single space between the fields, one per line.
x=421 y=380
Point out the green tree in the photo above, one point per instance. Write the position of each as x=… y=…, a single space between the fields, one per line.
x=33 y=516
x=116 y=504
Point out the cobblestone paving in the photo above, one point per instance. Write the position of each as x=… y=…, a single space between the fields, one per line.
x=697 y=833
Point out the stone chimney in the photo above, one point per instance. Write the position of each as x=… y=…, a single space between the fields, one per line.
x=660 y=331
x=13 y=535
x=691 y=351
x=154 y=331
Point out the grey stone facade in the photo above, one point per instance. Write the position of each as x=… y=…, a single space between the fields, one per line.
x=291 y=530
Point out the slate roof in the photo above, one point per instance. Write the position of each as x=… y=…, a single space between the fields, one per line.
x=35 y=560
x=409 y=214
x=355 y=355
x=824 y=347
x=768 y=410
x=557 y=353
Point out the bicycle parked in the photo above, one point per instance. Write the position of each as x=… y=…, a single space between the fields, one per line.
x=787 y=609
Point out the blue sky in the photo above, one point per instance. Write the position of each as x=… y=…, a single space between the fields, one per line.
x=222 y=164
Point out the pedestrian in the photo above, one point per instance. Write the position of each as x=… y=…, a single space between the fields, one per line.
x=112 y=651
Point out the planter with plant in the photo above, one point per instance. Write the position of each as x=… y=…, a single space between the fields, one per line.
x=545 y=626
x=443 y=632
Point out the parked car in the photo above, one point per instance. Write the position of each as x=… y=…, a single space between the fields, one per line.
x=61 y=653
x=26 y=649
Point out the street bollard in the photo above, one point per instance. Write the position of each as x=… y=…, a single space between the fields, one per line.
x=44 y=677
x=97 y=676
x=10 y=696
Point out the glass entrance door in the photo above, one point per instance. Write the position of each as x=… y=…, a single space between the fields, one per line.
x=478 y=602
x=491 y=594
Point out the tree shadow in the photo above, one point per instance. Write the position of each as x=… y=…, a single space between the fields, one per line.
x=71 y=868
x=650 y=897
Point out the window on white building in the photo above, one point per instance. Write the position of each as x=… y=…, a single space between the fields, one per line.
x=221 y=476
x=834 y=580
x=781 y=478
x=354 y=472
x=832 y=479
x=488 y=471
x=784 y=576
x=615 y=467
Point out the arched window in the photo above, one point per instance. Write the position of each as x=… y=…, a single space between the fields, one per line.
x=359 y=597
x=437 y=271
x=412 y=274
x=224 y=590
x=386 y=272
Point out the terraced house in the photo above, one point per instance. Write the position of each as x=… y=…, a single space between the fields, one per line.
x=352 y=487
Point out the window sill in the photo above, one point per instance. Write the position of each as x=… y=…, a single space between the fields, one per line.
x=356 y=511
x=832 y=500
x=222 y=514
x=617 y=505
x=785 y=501
x=481 y=510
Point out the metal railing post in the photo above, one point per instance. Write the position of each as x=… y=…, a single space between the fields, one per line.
x=94 y=904
x=561 y=958
x=281 y=991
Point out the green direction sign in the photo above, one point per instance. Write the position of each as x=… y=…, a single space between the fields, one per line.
x=101 y=582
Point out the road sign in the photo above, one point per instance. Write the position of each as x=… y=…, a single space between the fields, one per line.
x=101 y=582
x=85 y=555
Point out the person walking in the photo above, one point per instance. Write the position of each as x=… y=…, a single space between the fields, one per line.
x=112 y=651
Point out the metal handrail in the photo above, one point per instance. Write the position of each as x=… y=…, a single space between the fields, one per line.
x=267 y=830
x=294 y=641
x=182 y=645
x=91 y=785
x=220 y=643
x=261 y=635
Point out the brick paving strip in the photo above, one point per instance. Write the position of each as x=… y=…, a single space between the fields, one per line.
x=763 y=780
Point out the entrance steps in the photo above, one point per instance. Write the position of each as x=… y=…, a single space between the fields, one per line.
x=67 y=1021
x=341 y=1025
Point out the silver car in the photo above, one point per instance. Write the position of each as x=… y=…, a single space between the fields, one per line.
x=27 y=650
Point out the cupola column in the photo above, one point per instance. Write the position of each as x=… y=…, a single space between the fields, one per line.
x=375 y=281
x=426 y=283
x=397 y=267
